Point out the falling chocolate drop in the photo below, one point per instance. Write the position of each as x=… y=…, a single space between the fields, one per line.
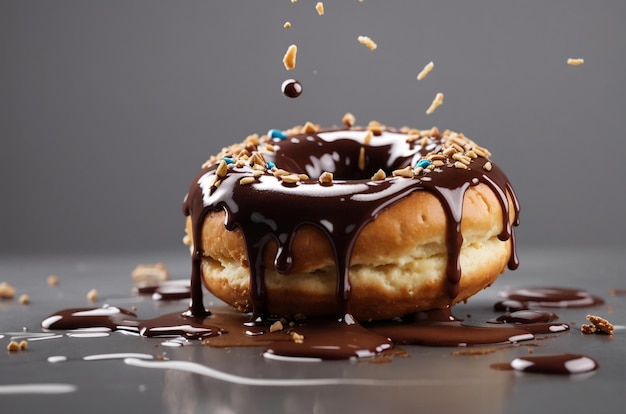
x=292 y=88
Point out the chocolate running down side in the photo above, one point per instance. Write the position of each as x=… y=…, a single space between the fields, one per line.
x=267 y=207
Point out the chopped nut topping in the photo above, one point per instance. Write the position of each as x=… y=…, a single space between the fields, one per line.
x=310 y=128
x=289 y=60
x=451 y=150
x=376 y=127
x=487 y=166
x=92 y=295
x=13 y=346
x=270 y=148
x=291 y=178
x=436 y=157
x=362 y=158
x=461 y=158
x=326 y=178
x=365 y=40
x=418 y=170
x=276 y=326
x=425 y=71
x=24 y=299
x=258 y=173
x=287 y=25
x=23 y=345
x=436 y=163
x=587 y=329
x=303 y=177
x=404 y=172
x=6 y=291
x=257 y=159
x=297 y=338
x=222 y=169
x=247 y=180
x=601 y=325
x=150 y=273
x=460 y=165
x=320 y=8
x=52 y=280
x=435 y=104
x=348 y=119
x=379 y=175
x=412 y=138
x=280 y=172
x=575 y=62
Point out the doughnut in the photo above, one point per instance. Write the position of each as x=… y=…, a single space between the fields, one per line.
x=367 y=222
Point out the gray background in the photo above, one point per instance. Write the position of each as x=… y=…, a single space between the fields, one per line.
x=107 y=109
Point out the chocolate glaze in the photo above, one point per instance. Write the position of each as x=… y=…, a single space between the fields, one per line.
x=279 y=210
x=269 y=210
x=553 y=297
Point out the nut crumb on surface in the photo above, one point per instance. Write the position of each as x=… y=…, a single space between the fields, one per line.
x=276 y=326
x=435 y=104
x=23 y=345
x=13 y=346
x=289 y=60
x=150 y=273
x=52 y=280
x=429 y=66
x=365 y=40
x=575 y=61
x=6 y=291
x=92 y=295
x=297 y=338
x=600 y=326
x=287 y=25
x=24 y=299
x=320 y=8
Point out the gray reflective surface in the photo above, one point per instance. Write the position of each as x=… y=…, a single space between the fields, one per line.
x=431 y=379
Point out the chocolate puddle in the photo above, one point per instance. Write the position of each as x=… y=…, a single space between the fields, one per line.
x=553 y=297
x=564 y=364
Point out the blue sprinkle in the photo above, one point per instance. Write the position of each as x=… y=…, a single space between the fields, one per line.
x=228 y=160
x=270 y=165
x=275 y=133
x=423 y=163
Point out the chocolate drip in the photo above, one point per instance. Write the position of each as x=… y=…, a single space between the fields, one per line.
x=270 y=209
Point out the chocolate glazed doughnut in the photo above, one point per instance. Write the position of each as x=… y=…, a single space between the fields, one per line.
x=364 y=223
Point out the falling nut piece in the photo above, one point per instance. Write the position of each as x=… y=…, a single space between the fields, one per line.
x=365 y=40
x=435 y=104
x=575 y=61
x=320 y=8
x=289 y=60
x=92 y=295
x=425 y=71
